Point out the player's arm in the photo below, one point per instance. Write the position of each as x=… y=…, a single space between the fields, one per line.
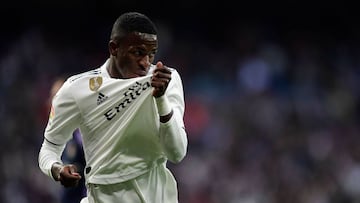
x=170 y=103
x=63 y=119
x=160 y=81
x=51 y=165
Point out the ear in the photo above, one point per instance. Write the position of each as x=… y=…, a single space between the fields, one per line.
x=113 y=47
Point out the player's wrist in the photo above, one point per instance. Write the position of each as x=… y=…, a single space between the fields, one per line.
x=163 y=105
x=55 y=170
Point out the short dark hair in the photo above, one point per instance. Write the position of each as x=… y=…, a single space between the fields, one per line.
x=132 y=22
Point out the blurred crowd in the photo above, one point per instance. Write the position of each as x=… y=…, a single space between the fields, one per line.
x=272 y=116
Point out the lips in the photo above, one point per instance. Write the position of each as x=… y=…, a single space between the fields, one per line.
x=142 y=71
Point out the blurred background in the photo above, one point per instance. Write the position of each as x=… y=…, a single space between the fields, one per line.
x=271 y=88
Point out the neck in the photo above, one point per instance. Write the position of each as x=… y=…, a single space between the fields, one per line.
x=112 y=70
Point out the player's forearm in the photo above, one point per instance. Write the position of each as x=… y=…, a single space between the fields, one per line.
x=174 y=139
x=164 y=108
x=172 y=131
x=48 y=155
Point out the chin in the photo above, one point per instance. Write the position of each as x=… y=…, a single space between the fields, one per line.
x=142 y=73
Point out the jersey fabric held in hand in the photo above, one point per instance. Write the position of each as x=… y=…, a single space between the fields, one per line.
x=119 y=122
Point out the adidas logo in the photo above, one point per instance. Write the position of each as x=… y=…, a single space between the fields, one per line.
x=101 y=98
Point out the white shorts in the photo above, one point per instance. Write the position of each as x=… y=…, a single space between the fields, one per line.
x=156 y=186
x=84 y=200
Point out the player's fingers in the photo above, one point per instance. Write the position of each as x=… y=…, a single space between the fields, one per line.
x=162 y=73
x=161 y=67
x=159 y=84
x=73 y=170
x=76 y=176
x=159 y=64
x=70 y=171
x=160 y=80
x=71 y=183
x=165 y=79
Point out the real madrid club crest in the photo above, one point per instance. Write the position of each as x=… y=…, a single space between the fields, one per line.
x=95 y=83
x=51 y=115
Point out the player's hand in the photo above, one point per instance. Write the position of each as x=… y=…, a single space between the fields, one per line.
x=160 y=79
x=68 y=176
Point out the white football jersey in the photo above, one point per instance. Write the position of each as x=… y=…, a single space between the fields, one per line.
x=119 y=123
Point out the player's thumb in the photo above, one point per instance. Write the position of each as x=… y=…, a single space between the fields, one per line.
x=73 y=169
x=159 y=64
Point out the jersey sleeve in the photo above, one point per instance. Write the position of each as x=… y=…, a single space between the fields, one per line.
x=173 y=136
x=64 y=118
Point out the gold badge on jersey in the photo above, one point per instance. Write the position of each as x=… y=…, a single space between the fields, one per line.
x=95 y=83
x=52 y=113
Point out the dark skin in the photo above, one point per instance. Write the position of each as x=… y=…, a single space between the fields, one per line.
x=129 y=58
x=132 y=56
x=66 y=174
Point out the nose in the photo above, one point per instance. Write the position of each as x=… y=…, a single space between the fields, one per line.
x=145 y=61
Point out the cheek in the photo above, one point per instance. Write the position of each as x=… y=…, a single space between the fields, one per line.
x=152 y=59
x=127 y=61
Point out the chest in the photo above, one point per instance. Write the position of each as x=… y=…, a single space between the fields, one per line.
x=106 y=100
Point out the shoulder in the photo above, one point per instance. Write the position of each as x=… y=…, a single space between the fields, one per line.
x=75 y=82
x=87 y=74
x=81 y=78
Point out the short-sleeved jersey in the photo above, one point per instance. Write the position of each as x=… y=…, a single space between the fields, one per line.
x=118 y=120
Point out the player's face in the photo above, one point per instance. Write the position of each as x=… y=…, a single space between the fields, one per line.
x=135 y=54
